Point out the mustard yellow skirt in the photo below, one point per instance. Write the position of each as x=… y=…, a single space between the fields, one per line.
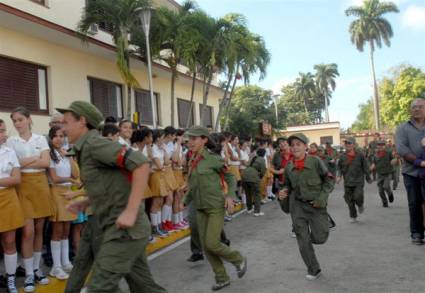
x=148 y=192
x=180 y=180
x=170 y=180
x=235 y=171
x=34 y=195
x=11 y=213
x=59 y=205
x=157 y=184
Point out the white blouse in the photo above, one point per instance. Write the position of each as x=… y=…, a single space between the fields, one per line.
x=62 y=168
x=159 y=154
x=244 y=157
x=28 y=148
x=8 y=161
x=235 y=154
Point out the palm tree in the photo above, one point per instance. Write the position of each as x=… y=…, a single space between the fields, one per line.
x=305 y=89
x=123 y=16
x=372 y=28
x=325 y=80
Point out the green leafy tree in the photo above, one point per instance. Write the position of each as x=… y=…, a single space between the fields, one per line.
x=371 y=27
x=325 y=81
x=123 y=16
x=364 y=120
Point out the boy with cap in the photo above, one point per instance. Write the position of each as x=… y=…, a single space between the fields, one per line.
x=115 y=178
x=382 y=164
x=307 y=184
x=354 y=167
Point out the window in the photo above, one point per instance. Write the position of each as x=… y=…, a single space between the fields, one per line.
x=326 y=139
x=23 y=84
x=144 y=106
x=106 y=96
x=105 y=26
x=183 y=109
x=208 y=115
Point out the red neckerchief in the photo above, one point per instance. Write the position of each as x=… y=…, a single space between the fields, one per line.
x=286 y=158
x=350 y=156
x=330 y=151
x=299 y=164
x=381 y=154
x=311 y=153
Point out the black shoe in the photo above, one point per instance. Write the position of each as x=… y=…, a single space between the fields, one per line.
x=385 y=204
x=220 y=285
x=196 y=257
x=241 y=269
x=417 y=241
x=226 y=242
x=20 y=272
x=391 y=197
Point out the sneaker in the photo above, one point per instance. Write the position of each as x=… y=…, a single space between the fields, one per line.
x=312 y=277
x=249 y=211
x=170 y=227
x=385 y=204
x=353 y=220
x=158 y=232
x=264 y=201
x=258 y=214
x=195 y=257
x=391 y=197
x=58 y=273
x=220 y=285
x=29 y=285
x=166 y=228
x=11 y=284
x=293 y=234
x=152 y=239
x=228 y=218
x=40 y=278
x=361 y=209
x=241 y=268
x=67 y=268
x=84 y=290
x=417 y=241
x=184 y=224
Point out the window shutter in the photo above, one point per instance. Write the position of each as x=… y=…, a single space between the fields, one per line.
x=104 y=95
x=183 y=108
x=208 y=114
x=144 y=106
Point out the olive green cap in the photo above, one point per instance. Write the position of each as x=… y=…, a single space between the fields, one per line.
x=299 y=136
x=381 y=141
x=197 y=131
x=350 y=140
x=84 y=109
x=320 y=148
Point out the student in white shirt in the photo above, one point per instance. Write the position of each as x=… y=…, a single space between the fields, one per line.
x=111 y=131
x=244 y=163
x=126 y=131
x=11 y=214
x=170 y=179
x=32 y=151
x=63 y=174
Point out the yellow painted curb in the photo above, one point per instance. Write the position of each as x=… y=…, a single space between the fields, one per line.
x=57 y=286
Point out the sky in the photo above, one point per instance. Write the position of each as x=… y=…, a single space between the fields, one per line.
x=302 y=33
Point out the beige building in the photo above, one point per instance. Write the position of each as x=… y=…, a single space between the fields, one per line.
x=44 y=65
x=318 y=133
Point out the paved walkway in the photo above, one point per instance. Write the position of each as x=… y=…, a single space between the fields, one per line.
x=374 y=255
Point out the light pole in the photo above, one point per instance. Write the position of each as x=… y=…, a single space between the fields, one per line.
x=145 y=17
x=275 y=107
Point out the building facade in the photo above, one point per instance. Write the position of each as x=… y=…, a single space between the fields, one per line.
x=318 y=133
x=45 y=65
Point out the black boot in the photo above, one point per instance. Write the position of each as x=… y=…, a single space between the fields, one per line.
x=196 y=257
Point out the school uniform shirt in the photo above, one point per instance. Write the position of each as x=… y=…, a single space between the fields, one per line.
x=244 y=157
x=8 y=161
x=235 y=154
x=122 y=141
x=159 y=154
x=62 y=168
x=180 y=155
x=169 y=148
x=24 y=149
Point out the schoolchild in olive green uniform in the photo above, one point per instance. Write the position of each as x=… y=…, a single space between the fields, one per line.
x=371 y=152
x=382 y=163
x=307 y=187
x=354 y=167
x=331 y=166
x=209 y=188
x=251 y=179
x=115 y=178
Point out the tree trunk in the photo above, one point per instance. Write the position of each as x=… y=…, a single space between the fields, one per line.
x=128 y=98
x=205 y=99
x=326 y=106
x=375 y=89
x=226 y=124
x=192 y=94
x=173 y=84
x=223 y=102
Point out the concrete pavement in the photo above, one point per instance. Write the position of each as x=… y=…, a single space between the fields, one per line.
x=373 y=255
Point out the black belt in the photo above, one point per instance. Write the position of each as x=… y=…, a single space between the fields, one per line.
x=305 y=201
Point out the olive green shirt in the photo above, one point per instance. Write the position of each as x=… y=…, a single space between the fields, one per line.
x=105 y=168
x=383 y=165
x=313 y=183
x=255 y=171
x=355 y=173
x=205 y=182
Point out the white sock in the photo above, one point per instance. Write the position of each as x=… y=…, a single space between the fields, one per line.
x=153 y=219
x=269 y=190
x=161 y=216
x=65 y=252
x=10 y=263
x=55 y=246
x=37 y=258
x=243 y=198
x=158 y=218
x=29 y=266
x=176 y=219
x=181 y=217
x=169 y=212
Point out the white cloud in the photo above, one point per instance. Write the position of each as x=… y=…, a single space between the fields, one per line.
x=414 y=17
x=277 y=87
